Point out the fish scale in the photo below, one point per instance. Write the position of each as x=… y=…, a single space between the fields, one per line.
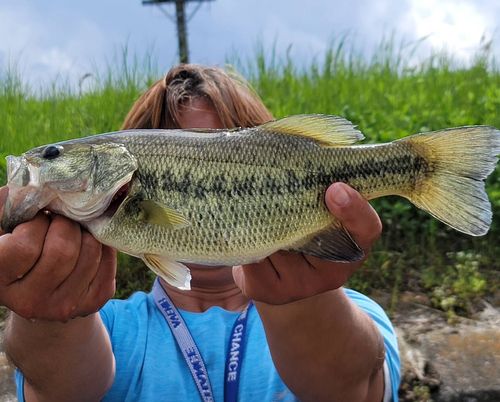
x=228 y=197
x=232 y=225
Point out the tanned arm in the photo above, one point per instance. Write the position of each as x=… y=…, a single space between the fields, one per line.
x=70 y=361
x=323 y=346
x=55 y=277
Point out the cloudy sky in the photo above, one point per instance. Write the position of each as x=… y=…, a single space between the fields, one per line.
x=47 y=38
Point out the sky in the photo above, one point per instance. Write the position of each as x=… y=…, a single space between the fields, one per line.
x=47 y=39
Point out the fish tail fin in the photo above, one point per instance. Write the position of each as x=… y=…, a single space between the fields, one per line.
x=453 y=189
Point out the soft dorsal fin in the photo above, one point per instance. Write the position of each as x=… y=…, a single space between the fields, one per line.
x=325 y=129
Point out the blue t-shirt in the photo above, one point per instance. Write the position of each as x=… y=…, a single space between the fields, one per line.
x=150 y=366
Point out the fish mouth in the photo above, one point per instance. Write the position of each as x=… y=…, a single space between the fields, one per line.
x=117 y=200
x=79 y=198
x=21 y=206
x=25 y=196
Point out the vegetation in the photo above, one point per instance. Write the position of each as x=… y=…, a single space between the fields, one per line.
x=387 y=97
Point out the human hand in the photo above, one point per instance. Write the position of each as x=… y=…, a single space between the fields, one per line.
x=285 y=277
x=52 y=269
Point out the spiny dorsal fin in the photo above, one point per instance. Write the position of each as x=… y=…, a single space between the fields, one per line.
x=325 y=129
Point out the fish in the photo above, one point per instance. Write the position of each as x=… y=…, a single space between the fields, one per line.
x=229 y=197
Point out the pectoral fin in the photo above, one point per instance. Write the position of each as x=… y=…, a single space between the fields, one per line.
x=173 y=272
x=159 y=214
x=334 y=244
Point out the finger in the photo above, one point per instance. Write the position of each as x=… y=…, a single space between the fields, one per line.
x=73 y=291
x=59 y=255
x=289 y=265
x=333 y=274
x=297 y=274
x=355 y=213
x=249 y=278
x=239 y=277
x=103 y=286
x=21 y=249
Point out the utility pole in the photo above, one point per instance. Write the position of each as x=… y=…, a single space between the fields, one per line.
x=182 y=31
x=180 y=20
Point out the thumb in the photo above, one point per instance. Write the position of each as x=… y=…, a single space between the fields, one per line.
x=355 y=213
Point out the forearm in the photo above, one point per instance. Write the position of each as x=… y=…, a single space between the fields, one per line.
x=325 y=348
x=61 y=361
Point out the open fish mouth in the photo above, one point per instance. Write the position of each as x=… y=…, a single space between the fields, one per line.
x=24 y=203
x=20 y=173
x=117 y=200
x=16 y=212
x=26 y=197
x=29 y=194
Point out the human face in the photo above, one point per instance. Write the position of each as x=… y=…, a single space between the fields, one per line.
x=199 y=113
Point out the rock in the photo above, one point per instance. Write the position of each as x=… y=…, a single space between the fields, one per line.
x=7 y=385
x=468 y=362
x=382 y=298
x=414 y=297
x=418 y=379
x=412 y=359
x=447 y=363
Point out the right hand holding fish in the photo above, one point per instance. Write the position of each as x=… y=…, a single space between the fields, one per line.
x=52 y=269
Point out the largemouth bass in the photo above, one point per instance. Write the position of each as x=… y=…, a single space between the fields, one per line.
x=228 y=197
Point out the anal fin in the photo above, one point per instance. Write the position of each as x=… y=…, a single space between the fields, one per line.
x=173 y=272
x=334 y=244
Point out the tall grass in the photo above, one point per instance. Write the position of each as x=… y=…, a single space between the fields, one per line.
x=30 y=117
x=388 y=97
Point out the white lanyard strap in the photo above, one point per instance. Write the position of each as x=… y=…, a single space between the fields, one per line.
x=185 y=341
x=191 y=353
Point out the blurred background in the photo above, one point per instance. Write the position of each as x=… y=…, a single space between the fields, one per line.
x=394 y=68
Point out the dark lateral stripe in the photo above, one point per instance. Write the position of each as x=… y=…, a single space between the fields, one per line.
x=290 y=181
x=404 y=165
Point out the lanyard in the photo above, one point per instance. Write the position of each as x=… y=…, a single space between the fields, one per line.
x=192 y=355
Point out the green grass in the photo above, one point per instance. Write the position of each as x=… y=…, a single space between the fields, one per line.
x=31 y=117
x=387 y=97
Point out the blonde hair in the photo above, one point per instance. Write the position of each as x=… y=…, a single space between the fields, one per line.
x=236 y=104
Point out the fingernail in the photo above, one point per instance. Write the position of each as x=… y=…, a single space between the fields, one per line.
x=340 y=196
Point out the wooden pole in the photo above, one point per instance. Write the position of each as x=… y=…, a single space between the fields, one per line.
x=181 y=31
x=181 y=20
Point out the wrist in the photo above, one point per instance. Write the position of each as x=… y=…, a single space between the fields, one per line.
x=22 y=333
x=331 y=299
x=17 y=321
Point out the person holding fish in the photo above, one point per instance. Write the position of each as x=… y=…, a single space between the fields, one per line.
x=252 y=237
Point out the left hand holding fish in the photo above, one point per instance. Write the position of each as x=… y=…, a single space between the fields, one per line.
x=285 y=277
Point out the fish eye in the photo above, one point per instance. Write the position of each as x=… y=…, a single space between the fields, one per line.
x=52 y=151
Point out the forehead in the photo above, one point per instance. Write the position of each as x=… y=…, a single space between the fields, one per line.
x=199 y=113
